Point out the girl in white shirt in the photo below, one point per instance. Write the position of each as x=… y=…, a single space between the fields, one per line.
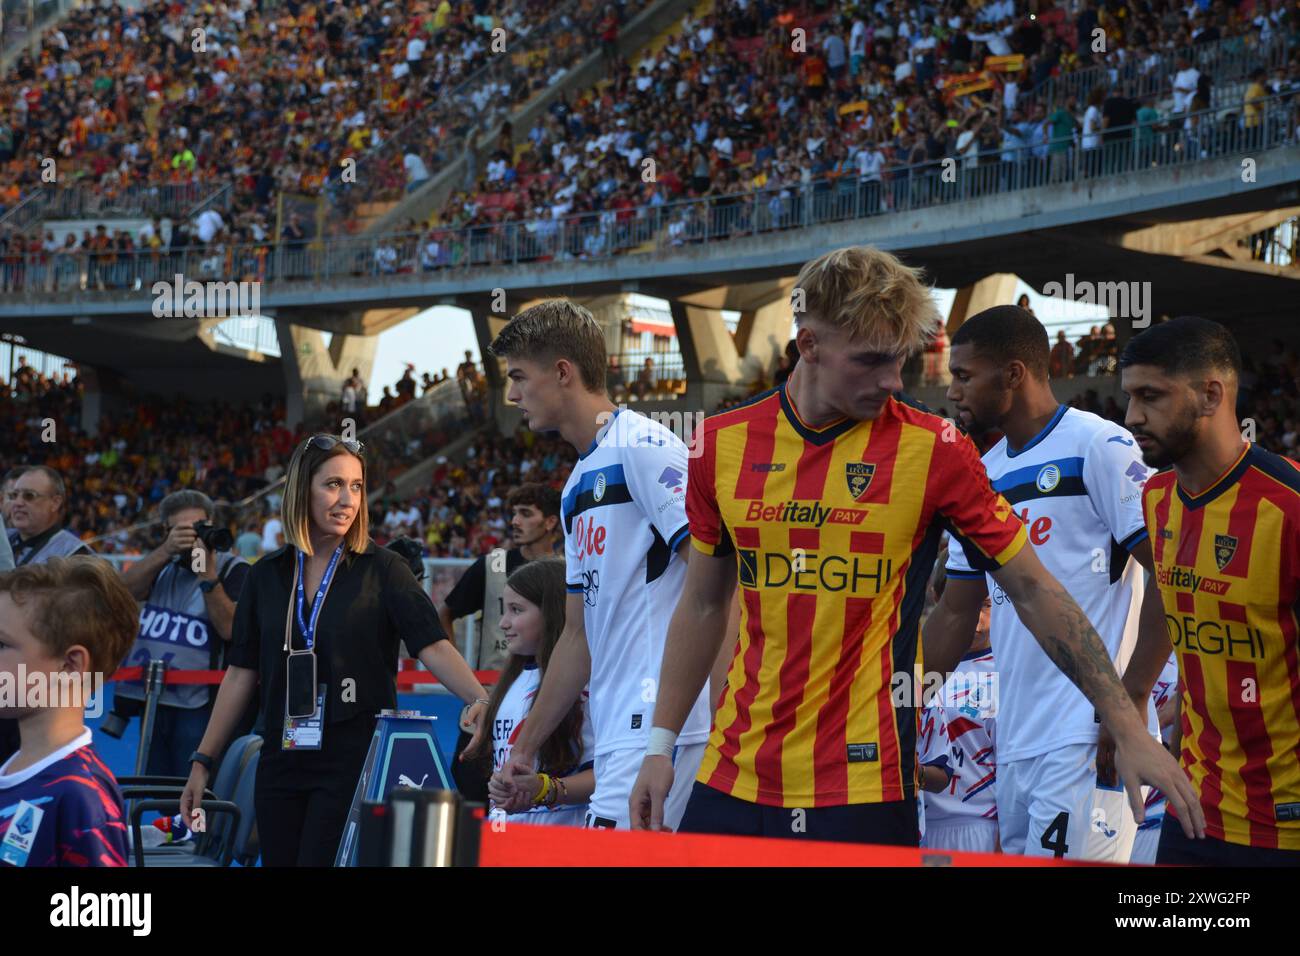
x=534 y=600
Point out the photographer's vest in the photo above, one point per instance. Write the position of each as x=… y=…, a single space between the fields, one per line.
x=493 y=651
x=61 y=544
x=174 y=627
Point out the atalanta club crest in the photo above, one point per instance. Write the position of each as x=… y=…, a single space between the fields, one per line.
x=1225 y=546
x=858 y=474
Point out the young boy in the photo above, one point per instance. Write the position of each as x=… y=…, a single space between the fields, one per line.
x=60 y=622
x=958 y=730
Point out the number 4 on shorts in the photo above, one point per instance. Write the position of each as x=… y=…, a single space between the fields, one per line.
x=1054 y=836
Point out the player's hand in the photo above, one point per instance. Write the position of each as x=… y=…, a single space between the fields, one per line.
x=1140 y=760
x=516 y=799
x=649 y=793
x=518 y=766
x=192 y=795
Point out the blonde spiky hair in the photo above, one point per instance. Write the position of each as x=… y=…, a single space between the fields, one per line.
x=870 y=294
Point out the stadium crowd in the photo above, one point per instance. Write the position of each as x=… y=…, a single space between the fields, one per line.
x=269 y=95
x=860 y=117
x=747 y=114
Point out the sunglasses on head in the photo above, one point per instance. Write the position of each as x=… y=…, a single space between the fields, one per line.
x=329 y=443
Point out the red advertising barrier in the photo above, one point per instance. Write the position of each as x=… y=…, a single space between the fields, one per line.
x=406 y=679
x=524 y=845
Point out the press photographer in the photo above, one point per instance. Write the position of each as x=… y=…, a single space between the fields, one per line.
x=185 y=621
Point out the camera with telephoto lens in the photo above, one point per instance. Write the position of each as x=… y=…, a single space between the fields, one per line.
x=214 y=538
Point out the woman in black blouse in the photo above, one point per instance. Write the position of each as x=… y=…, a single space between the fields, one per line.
x=316 y=634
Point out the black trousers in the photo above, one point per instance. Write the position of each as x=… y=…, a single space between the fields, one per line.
x=890 y=824
x=1177 y=850
x=302 y=797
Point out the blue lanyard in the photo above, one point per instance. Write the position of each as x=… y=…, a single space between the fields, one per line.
x=309 y=630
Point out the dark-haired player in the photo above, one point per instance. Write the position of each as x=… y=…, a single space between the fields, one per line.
x=1225 y=534
x=1075 y=479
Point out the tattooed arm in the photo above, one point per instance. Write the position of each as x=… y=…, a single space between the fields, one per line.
x=1066 y=636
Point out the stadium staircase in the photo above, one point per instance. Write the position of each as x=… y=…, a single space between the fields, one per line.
x=408 y=436
x=659 y=19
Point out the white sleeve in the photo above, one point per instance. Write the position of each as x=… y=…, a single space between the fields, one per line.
x=654 y=466
x=1113 y=475
x=572 y=564
x=957 y=565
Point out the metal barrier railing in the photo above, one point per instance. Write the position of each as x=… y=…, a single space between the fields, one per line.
x=418 y=429
x=85 y=201
x=1224 y=61
x=1178 y=141
x=24 y=21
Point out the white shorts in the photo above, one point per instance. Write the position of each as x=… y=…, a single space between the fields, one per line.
x=616 y=774
x=964 y=835
x=1050 y=805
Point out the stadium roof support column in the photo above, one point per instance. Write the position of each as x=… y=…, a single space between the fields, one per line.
x=761 y=336
x=487 y=327
x=713 y=370
x=103 y=394
x=996 y=289
x=313 y=373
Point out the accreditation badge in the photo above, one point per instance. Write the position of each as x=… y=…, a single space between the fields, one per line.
x=305 y=733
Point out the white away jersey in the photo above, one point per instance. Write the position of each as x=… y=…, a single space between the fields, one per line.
x=624 y=514
x=959 y=729
x=1078 y=488
x=509 y=720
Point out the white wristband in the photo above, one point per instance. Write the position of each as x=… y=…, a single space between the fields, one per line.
x=662 y=743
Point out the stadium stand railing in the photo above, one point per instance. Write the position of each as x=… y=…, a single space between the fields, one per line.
x=1227 y=62
x=172 y=200
x=25 y=20
x=419 y=429
x=1138 y=149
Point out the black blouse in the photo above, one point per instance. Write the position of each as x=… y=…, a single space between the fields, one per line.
x=373 y=602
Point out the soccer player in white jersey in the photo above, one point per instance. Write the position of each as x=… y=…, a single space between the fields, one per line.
x=959 y=726
x=1076 y=481
x=625 y=544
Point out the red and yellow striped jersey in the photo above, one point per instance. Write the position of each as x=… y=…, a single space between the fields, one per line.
x=835 y=531
x=1228 y=565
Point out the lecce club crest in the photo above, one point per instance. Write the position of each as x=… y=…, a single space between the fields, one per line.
x=858 y=475
x=1225 y=546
